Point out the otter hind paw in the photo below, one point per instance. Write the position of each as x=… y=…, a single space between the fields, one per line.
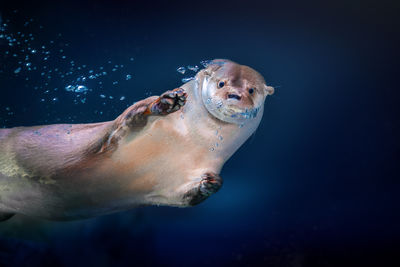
x=169 y=102
x=209 y=184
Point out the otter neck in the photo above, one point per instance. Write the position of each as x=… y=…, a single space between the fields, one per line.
x=220 y=138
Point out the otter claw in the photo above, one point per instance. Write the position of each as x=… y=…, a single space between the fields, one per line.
x=169 y=102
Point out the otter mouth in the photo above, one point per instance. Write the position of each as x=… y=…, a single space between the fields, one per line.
x=234 y=96
x=231 y=111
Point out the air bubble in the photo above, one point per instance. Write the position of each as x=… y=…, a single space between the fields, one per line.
x=76 y=89
x=205 y=63
x=81 y=89
x=185 y=80
x=219 y=104
x=193 y=68
x=181 y=70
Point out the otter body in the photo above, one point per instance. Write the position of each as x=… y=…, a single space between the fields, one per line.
x=165 y=150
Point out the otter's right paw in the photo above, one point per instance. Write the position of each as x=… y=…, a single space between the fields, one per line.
x=169 y=102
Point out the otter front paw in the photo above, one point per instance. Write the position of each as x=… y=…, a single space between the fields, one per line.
x=169 y=102
x=209 y=184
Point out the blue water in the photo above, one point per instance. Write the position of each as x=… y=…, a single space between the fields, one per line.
x=317 y=184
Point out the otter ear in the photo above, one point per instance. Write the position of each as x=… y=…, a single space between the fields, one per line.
x=269 y=90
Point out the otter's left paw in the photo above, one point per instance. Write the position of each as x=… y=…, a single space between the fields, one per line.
x=210 y=183
x=169 y=102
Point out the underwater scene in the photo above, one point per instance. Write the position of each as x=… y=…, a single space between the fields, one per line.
x=283 y=114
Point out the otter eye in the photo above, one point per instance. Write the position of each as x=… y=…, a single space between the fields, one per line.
x=221 y=84
x=251 y=91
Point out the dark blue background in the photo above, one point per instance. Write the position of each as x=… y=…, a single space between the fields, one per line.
x=316 y=186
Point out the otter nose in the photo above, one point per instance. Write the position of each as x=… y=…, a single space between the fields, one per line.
x=234 y=96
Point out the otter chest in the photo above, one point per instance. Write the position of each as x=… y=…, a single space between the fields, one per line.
x=163 y=148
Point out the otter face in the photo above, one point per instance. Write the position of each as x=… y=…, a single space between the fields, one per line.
x=233 y=93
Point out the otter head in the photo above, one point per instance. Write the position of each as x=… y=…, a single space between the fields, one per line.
x=231 y=92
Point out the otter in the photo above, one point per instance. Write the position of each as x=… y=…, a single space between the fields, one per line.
x=163 y=150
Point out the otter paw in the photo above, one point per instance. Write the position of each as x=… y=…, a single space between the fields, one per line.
x=169 y=102
x=209 y=184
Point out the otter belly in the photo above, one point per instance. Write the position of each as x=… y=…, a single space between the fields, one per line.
x=159 y=164
x=155 y=166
